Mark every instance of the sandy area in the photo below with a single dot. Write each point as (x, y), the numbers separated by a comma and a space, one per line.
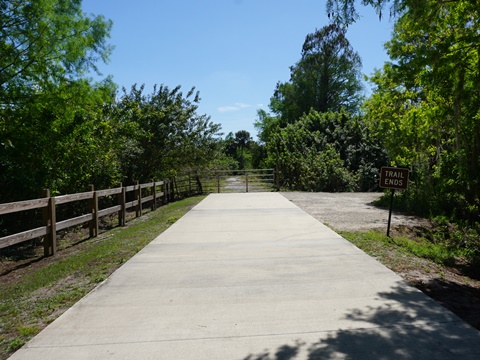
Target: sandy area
(348, 211)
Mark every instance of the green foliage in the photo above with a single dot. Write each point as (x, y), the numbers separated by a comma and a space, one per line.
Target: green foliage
(327, 77)
(162, 133)
(439, 248)
(60, 131)
(238, 150)
(258, 154)
(327, 152)
(426, 106)
(345, 11)
(58, 140)
(313, 139)
(44, 42)
(50, 117)
(15, 344)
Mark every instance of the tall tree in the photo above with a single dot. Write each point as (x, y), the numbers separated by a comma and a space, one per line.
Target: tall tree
(326, 78)
(242, 141)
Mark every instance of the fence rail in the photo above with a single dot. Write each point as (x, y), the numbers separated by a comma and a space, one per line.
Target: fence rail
(152, 192)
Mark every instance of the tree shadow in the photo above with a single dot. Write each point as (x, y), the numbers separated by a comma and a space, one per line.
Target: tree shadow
(408, 325)
(285, 352)
(462, 299)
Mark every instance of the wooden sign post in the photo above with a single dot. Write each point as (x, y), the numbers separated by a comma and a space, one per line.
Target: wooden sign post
(393, 178)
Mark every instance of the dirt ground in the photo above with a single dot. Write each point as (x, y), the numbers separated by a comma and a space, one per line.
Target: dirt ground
(457, 288)
(348, 211)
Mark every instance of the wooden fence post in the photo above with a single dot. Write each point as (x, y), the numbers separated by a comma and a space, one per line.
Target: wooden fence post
(277, 177)
(172, 189)
(175, 188)
(246, 181)
(121, 201)
(138, 196)
(94, 210)
(50, 220)
(218, 182)
(199, 184)
(165, 192)
(154, 194)
(189, 185)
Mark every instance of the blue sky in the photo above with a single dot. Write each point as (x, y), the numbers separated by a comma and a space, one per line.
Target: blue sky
(233, 51)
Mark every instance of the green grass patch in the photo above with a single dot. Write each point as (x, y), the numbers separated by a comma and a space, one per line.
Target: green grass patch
(378, 244)
(38, 297)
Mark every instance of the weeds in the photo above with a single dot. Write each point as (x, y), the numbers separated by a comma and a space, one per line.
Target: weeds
(375, 244)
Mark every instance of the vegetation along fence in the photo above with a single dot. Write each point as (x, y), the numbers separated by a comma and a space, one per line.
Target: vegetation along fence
(155, 193)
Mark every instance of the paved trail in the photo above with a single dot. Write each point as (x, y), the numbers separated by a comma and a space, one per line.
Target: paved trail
(253, 277)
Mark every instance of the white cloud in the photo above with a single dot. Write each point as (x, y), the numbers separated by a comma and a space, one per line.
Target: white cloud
(227, 108)
(236, 107)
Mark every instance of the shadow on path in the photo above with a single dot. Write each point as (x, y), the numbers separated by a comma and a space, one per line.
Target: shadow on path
(409, 326)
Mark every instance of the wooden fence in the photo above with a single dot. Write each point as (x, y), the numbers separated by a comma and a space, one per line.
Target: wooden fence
(152, 192)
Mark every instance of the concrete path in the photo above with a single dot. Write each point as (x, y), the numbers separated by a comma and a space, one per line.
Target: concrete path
(251, 276)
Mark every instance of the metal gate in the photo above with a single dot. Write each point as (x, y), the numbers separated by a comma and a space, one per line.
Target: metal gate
(230, 181)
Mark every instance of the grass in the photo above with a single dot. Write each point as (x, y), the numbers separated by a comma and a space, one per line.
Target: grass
(376, 244)
(41, 294)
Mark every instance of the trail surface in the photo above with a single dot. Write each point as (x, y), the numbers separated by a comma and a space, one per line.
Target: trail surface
(348, 211)
(253, 277)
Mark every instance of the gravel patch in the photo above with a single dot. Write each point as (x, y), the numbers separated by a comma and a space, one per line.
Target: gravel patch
(348, 211)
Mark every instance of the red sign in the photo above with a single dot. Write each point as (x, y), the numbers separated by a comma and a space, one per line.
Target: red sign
(394, 178)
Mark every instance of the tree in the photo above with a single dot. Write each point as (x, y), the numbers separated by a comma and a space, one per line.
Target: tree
(242, 141)
(327, 77)
(266, 124)
(166, 132)
(52, 132)
(427, 103)
(236, 149)
(45, 42)
(345, 11)
(327, 152)
(59, 140)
